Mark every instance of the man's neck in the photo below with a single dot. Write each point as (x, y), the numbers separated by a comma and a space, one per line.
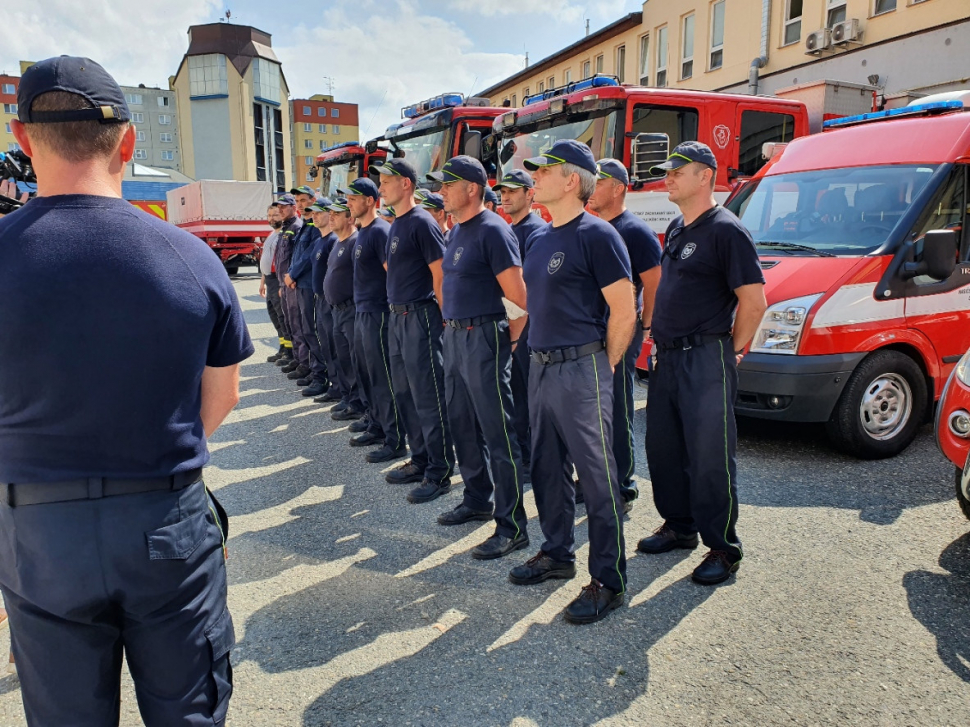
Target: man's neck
(692, 209)
(564, 211)
(91, 178)
(345, 233)
(368, 219)
(404, 206)
(612, 212)
(519, 216)
(468, 212)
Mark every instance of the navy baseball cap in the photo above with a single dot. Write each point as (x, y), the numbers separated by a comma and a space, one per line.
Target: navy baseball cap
(397, 168)
(361, 187)
(613, 169)
(286, 199)
(433, 201)
(388, 211)
(339, 205)
(564, 151)
(514, 179)
(320, 204)
(304, 190)
(490, 196)
(460, 168)
(80, 76)
(684, 154)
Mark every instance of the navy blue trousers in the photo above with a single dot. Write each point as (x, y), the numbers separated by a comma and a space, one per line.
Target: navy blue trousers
(623, 448)
(520, 395)
(571, 405)
(291, 308)
(478, 364)
(370, 332)
(692, 443)
(323, 328)
(143, 576)
(343, 341)
(315, 355)
(417, 372)
(274, 306)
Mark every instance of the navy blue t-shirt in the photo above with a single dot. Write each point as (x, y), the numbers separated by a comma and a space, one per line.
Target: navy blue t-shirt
(370, 278)
(703, 263)
(413, 243)
(643, 245)
(478, 250)
(301, 266)
(338, 285)
(319, 256)
(566, 269)
(526, 227)
(85, 277)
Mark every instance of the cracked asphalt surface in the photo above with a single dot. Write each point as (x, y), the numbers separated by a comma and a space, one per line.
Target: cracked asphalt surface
(353, 607)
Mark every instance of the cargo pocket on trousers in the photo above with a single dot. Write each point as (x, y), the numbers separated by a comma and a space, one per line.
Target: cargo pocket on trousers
(221, 637)
(179, 540)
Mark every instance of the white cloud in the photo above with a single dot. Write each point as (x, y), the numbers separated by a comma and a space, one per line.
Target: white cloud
(558, 12)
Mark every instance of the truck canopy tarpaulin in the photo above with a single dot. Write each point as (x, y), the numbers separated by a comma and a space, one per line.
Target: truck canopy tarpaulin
(210, 199)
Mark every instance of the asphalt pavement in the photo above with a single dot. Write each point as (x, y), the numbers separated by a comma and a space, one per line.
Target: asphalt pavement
(354, 607)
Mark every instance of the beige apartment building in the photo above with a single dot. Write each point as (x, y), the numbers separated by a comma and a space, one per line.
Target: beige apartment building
(319, 123)
(903, 48)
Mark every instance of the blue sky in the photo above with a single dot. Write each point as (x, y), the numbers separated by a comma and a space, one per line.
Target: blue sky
(381, 55)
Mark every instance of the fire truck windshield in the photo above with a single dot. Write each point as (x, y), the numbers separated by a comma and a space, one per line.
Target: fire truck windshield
(597, 131)
(849, 211)
(336, 176)
(426, 152)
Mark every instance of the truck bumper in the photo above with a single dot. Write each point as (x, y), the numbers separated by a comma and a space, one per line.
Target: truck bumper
(793, 388)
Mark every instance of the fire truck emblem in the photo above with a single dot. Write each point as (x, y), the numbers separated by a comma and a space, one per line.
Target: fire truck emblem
(457, 257)
(688, 250)
(722, 135)
(555, 262)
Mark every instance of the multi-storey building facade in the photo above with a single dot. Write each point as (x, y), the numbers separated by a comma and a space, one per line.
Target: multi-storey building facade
(155, 117)
(319, 123)
(8, 110)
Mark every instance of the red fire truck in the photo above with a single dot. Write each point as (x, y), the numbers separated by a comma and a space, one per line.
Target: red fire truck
(953, 428)
(342, 164)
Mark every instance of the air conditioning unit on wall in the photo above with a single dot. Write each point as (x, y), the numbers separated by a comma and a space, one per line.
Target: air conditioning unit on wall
(818, 41)
(846, 31)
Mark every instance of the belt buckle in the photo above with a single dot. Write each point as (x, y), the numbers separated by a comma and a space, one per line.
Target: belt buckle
(545, 357)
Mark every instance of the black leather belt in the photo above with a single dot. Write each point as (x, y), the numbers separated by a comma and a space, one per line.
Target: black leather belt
(472, 322)
(559, 355)
(20, 494)
(692, 341)
(409, 307)
(343, 306)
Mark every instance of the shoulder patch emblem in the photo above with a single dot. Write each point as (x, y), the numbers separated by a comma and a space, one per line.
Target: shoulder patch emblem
(688, 250)
(555, 262)
(457, 257)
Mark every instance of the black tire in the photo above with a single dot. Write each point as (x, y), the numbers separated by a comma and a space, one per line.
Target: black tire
(232, 269)
(963, 498)
(870, 420)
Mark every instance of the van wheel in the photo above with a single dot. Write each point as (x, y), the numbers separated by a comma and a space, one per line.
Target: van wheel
(232, 269)
(963, 488)
(881, 408)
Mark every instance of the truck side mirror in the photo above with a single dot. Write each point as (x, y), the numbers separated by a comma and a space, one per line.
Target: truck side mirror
(648, 150)
(371, 146)
(472, 145)
(938, 258)
(313, 172)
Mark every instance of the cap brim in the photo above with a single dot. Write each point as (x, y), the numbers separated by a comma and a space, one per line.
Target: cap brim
(510, 185)
(670, 164)
(382, 169)
(540, 161)
(435, 177)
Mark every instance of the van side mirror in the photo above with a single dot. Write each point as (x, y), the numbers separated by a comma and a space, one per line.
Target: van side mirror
(472, 144)
(313, 172)
(371, 146)
(938, 258)
(648, 150)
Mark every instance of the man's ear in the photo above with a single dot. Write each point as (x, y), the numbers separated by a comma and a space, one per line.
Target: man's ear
(20, 134)
(127, 146)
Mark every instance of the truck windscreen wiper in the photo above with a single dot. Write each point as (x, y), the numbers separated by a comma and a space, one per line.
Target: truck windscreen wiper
(792, 246)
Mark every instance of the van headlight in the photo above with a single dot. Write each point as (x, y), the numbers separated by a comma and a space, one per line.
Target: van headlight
(781, 327)
(963, 369)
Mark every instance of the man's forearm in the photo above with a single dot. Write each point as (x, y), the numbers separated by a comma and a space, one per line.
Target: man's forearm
(619, 334)
(746, 322)
(516, 326)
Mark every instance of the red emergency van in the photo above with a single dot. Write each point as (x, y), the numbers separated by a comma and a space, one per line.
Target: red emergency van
(862, 233)
(343, 163)
(953, 428)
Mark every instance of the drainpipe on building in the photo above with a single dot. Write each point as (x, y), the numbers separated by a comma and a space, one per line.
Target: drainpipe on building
(762, 60)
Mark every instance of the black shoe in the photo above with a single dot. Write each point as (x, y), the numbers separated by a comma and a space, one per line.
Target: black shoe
(664, 539)
(428, 491)
(592, 604)
(541, 568)
(346, 415)
(314, 389)
(716, 567)
(627, 506)
(404, 474)
(580, 497)
(498, 545)
(304, 381)
(361, 425)
(300, 372)
(331, 395)
(276, 356)
(463, 514)
(366, 439)
(385, 454)
(286, 359)
(290, 366)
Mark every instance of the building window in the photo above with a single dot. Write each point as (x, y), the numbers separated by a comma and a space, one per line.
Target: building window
(10, 108)
(308, 177)
(163, 101)
(322, 128)
(141, 154)
(793, 21)
(552, 82)
(323, 145)
(14, 146)
(335, 113)
(308, 143)
(884, 6)
(717, 35)
(336, 129)
(321, 111)
(134, 99)
(137, 118)
(514, 101)
(307, 111)
(540, 87)
(207, 75)
(9, 89)
(567, 77)
(266, 80)
(309, 160)
(645, 60)
(662, 57)
(835, 13)
(599, 63)
(165, 138)
(687, 56)
(168, 156)
(525, 93)
(586, 69)
(139, 136)
(621, 63)
(8, 128)
(308, 127)
(164, 119)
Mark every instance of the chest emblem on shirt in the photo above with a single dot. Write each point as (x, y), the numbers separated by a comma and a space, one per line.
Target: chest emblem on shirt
(688, 250)
(319, 255)
(555, 262)
(340, 251)
(357, 251)
(394, 245)
(457, 257)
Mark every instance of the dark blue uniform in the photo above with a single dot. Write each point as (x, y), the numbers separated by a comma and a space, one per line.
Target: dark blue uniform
(322, 318)
(414, 242)
(338, 288)
(301, 271)
(478, 361)
(291, 306)
(110, 540)
(691, 435)
(644, 248)
(571, 389)
(520, 356)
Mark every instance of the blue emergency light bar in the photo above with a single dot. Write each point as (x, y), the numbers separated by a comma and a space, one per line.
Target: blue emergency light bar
(936, 107)
(594, 82)
(344, 144)
(445, 100)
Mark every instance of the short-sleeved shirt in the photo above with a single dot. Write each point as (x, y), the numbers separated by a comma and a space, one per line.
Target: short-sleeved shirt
(370, 278)
(703, 264)
(85, 277)
(284, 246)
(319, 256)
(413, 243)
(478, 250)
(643, 245)
(301, 266)
(338, 285)
(525, 227)
(566, 269)
(266, 262)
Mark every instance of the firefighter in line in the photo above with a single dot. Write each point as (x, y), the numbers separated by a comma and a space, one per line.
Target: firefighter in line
(291, 224)
(269, 284)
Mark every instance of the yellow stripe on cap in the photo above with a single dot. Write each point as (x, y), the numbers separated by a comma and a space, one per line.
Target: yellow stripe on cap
(108, 112)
